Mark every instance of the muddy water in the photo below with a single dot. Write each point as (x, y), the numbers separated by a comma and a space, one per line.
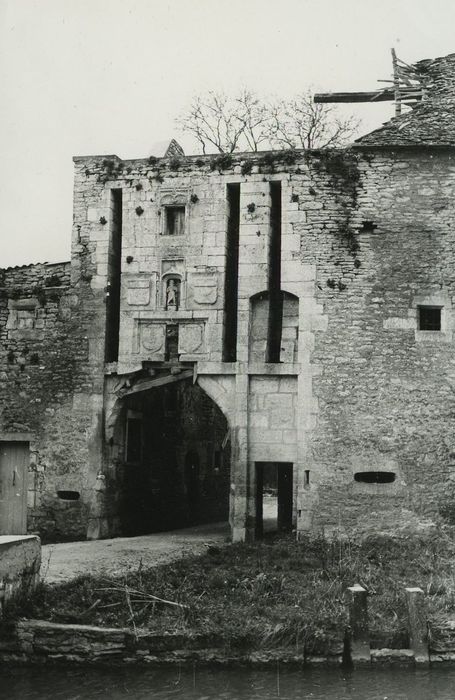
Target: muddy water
(197, 683)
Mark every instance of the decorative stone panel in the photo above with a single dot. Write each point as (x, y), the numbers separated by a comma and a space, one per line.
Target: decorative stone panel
(152, 339)
(191, 338)
(139, 291)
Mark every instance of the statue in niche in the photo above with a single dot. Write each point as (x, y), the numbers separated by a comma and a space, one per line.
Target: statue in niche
(172, 294)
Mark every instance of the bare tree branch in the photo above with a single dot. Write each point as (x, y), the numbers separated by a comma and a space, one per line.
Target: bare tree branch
(248, 122)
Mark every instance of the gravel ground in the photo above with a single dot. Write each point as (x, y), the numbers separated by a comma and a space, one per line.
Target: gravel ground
(65, 561)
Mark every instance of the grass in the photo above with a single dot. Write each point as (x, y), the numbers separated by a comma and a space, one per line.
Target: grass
(278, 593)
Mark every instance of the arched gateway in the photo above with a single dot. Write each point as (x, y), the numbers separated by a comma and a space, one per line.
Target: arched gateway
(167, 455)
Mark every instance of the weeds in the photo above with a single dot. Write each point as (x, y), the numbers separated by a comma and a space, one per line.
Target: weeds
(278, 593)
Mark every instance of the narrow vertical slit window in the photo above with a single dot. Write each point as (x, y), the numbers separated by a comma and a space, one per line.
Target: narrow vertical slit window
(114, 270)
(275, 315)
(231, 280)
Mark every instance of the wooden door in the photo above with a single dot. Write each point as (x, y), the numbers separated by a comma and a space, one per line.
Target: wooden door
(14, 460)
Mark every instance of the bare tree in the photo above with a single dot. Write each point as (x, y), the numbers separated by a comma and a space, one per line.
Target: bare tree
(300, 123)
(248, 122)
(212, 120)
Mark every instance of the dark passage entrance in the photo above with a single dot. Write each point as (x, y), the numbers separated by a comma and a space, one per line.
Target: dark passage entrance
(274, 490)
(175, 470)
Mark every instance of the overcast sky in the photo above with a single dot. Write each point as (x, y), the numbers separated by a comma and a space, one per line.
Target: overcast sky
(85, 77)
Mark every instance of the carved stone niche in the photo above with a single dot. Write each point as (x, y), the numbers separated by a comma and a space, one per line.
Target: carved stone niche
(203, 288)
(152, 340)
(191, 338)
(138, 291)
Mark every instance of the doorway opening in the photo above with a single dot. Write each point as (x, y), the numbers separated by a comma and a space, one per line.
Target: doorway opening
(174, 467)
(274, 497)
(14, 461)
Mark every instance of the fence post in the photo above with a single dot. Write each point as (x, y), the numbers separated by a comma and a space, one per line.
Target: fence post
(358, 623)
(417, 624)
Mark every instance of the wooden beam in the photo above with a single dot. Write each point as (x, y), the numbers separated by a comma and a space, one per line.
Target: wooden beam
(373, 96)
(146, 384)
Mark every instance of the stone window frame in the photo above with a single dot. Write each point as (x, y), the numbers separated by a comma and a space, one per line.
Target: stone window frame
(365, 462)
(439, 299)
(434, 300)
(15, 306)
(171, 200)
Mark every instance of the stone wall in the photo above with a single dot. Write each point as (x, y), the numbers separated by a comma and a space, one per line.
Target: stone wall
(46, 386)
(20, 561)
(385, 392)
(366, 239)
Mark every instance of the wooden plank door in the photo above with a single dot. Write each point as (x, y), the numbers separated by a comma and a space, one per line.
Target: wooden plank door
(14, 460)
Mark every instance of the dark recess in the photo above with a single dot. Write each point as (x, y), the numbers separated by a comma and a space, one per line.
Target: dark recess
(231, 283)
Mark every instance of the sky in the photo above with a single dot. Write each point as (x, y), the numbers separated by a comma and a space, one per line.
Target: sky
(80, 77)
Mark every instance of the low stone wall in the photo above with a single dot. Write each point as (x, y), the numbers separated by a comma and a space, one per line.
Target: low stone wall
(40, 641)
(20, 561)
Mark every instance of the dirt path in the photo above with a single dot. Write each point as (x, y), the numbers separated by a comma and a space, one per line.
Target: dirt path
(63, 562)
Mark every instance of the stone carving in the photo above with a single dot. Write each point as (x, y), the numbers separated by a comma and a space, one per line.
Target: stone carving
(153, 337)
(174, 266)
(138, 293)
(205, 289)
(191, 338)
(172, 293)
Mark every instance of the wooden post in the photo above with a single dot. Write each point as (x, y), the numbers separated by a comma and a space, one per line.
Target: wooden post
(358, 623)
(396, 84)
(417, 624)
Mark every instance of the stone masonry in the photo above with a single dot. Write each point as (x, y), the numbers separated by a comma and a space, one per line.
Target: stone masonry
(357, 246)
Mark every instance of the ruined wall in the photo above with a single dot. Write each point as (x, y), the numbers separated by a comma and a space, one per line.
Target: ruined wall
(43, 368)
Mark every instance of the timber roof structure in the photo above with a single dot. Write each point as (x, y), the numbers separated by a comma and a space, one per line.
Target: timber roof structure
(431, 121)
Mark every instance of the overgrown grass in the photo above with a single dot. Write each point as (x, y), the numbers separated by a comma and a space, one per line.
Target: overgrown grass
(277, 593)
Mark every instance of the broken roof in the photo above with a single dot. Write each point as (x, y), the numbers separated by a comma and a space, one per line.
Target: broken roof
(432, 121)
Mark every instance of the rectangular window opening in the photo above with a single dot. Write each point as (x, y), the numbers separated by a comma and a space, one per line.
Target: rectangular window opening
(231, 279)
(175, 221)
(429, 318)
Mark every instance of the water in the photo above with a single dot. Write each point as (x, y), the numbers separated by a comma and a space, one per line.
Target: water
(199, 683)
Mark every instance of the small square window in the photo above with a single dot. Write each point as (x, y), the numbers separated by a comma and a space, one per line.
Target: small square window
(429, 318)
(175, 221)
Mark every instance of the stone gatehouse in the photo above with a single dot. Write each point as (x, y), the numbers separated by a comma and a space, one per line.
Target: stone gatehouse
(231, 321)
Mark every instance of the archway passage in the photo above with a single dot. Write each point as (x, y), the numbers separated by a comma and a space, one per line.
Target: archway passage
(175, 470)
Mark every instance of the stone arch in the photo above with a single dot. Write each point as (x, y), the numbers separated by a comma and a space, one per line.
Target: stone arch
(221, 390)
(179, 418)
